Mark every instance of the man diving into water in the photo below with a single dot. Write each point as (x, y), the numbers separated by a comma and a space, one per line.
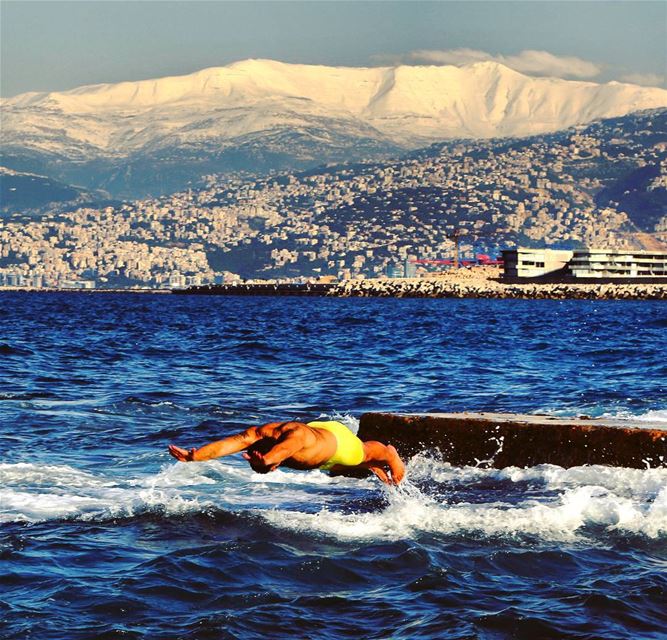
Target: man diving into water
(329, 445)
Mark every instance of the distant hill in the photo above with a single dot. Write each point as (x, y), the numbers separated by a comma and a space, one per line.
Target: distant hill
(25, 192)
(157, 136)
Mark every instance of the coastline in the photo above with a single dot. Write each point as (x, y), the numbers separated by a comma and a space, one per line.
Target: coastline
(88, 291)
(475, 282)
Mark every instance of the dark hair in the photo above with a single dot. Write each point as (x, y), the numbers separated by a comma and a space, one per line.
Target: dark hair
(263, 446)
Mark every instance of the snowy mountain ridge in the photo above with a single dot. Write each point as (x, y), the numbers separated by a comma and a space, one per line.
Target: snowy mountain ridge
(253, 108)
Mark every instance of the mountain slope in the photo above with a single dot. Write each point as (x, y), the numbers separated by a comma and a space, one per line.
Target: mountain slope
(119, 136)
(22, 192)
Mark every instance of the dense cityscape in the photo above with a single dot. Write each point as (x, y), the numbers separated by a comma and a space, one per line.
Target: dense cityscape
(361, 220)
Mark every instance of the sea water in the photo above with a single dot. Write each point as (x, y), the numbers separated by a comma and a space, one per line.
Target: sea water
(103, 535)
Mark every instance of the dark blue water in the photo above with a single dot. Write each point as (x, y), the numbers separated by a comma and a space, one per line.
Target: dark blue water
(103, 535)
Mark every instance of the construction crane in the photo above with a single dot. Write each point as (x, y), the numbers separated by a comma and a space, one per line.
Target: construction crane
(456, 237)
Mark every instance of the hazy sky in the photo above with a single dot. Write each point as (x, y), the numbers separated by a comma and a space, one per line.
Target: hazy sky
(55, 45)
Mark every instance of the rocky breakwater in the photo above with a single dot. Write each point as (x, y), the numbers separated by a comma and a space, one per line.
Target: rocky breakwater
(503, 440)
(484, 282)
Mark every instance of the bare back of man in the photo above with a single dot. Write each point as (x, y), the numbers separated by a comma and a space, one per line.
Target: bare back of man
(299, 446)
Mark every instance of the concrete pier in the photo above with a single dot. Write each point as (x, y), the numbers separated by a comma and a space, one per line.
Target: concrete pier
(503, 439)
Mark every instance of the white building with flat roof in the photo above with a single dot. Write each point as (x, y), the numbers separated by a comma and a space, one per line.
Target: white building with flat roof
(605, 264)
(523, 263)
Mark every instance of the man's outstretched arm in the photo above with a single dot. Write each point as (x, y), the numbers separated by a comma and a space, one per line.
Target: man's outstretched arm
(224, 447)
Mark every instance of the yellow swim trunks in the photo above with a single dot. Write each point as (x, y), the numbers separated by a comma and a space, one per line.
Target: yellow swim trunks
(350, 450)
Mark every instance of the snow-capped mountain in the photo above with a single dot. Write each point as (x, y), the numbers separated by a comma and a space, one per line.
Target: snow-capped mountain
(153, 135)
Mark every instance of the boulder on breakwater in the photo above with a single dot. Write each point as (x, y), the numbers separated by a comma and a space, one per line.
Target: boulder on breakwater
(502, 440)
(482, 288)
(474, 282)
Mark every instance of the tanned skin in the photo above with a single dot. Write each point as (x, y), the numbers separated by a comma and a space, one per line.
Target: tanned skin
(297, 446)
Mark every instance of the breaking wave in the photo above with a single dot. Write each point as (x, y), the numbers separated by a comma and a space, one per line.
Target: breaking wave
(546, 502)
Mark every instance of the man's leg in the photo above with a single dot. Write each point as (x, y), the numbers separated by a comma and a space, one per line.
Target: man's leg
(379, 458)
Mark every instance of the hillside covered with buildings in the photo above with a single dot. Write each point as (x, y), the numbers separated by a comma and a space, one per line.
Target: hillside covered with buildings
(604, 184)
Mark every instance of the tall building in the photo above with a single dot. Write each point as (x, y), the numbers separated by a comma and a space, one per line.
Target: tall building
(409, 269)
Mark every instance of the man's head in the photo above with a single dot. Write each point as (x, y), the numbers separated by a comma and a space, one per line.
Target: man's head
(255, 454)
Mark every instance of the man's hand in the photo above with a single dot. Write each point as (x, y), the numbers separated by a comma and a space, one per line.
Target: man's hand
(183, 455)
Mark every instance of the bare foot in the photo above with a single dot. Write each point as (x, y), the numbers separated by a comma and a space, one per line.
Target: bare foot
(396, 465)
(384, 461)
(381, 473)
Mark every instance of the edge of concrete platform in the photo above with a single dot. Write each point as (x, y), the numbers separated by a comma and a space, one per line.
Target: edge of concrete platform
(504, 439)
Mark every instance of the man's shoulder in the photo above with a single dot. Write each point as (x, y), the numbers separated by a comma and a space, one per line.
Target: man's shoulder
(273, 429)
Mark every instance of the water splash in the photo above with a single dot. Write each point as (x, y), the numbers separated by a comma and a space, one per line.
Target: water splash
(546, 502)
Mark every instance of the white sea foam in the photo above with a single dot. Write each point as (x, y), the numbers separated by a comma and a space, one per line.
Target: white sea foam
(33, 492)
(546, 501)
(655, 416)
(621, 501)
(347, 419)
(648, 419)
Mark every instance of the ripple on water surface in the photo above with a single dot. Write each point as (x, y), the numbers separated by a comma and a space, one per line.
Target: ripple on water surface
(102, 535)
